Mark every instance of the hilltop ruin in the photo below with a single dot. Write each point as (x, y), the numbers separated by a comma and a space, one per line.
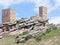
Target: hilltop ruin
(13, 26)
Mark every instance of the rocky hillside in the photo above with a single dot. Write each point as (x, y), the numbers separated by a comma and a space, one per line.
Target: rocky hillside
(52, 38)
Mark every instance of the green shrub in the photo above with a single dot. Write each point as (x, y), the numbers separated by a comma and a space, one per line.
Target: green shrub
(28, 37)
(43, 33)
(17, 36)
(26, 32)
(38, 38)
(54, 28)
(48, 30)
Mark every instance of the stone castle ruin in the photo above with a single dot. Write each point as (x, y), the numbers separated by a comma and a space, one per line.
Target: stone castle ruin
(13, 26)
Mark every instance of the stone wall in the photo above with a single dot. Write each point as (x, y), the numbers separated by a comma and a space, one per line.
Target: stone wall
(8, 15)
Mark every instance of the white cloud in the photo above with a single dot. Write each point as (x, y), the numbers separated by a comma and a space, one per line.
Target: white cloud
(38, 3)
(55, 20)
(57, 2)
(46, 3)
(55, 6)
(7, 3)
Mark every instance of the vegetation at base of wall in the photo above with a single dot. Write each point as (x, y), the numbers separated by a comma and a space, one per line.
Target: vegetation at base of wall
(37, 38)
(51, 34)
(28, 37)
(25, 32)
(11, 39)
(48, 30)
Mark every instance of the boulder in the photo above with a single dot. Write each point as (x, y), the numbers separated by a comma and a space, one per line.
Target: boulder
(19, 40)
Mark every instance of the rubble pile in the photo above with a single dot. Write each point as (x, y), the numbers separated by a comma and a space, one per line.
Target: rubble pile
(31, 24)
(34, 27)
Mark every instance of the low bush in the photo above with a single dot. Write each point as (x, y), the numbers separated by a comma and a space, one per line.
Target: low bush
(43, 33)
(17, 36)
(26, 32)
(38, 38)
(48, 30)
(28, 37)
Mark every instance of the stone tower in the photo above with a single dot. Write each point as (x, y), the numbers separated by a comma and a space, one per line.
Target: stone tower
(8, 15)
(43, 13)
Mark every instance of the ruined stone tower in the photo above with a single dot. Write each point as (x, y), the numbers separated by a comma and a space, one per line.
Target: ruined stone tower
(8, 15)
(43, 13)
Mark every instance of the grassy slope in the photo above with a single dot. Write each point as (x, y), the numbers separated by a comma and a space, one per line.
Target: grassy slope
(51, 34)
(10, 40)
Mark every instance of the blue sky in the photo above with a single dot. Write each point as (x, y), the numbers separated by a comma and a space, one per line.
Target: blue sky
(28, 8)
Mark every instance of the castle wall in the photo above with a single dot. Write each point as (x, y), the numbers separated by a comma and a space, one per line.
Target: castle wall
(8, 15)
(43, 13)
